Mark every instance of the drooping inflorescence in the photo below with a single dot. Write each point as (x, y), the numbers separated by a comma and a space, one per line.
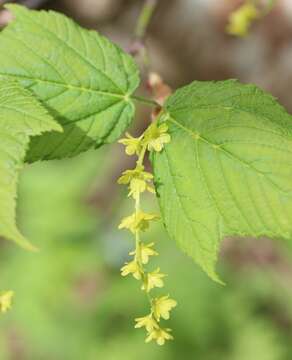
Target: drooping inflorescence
(139, 181)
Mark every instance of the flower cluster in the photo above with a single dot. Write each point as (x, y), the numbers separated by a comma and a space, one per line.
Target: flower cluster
(138, 181)
(241, 19)
(6, 298)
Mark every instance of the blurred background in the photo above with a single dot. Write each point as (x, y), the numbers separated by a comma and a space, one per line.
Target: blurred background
(71, 303)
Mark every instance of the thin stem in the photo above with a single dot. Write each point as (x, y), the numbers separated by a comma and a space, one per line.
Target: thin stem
(137, 234)
(145, 101)
(141, 156)
(138, 256)
(144, 18)
(138, 47)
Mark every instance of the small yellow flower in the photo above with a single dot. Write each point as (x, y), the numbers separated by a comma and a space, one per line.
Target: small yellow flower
(241, 19)
(133, 145)
(162, 306)
(147, 321)
(138, 172)
(137, 221)
(137, 186)
(145, 252)
(138, 180)
(160, 335)
(156, 136)
(132, 268)
(152, 280)
(6, 300)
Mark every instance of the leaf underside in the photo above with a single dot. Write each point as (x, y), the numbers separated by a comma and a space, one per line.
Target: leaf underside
(21, 116)
(83, 80)
(227, 170)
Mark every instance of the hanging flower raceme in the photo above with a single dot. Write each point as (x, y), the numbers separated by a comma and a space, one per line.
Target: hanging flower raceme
(139, 181)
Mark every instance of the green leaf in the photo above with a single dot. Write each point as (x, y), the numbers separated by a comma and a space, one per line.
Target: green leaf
(227, 170)
(83, 79)
(21, 116)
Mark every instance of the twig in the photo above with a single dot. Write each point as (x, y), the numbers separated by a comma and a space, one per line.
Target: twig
(137, 47)
(145, 101)
(145, 18)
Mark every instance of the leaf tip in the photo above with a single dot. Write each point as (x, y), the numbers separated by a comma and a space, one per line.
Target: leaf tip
(23, 242)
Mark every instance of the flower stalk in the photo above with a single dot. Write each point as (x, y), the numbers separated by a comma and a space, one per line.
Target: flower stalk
(138, 180)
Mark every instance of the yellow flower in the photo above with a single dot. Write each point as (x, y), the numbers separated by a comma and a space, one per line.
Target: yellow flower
(137, 186)
(152, 280)
(160, 335)
(162, 306)
(241, 19)
(6, 300)
(132, 268)
(147, 321)
(137, 221)
(133, 145)
(156, 136)
(138, 179)
(145, 252)
(138, 172)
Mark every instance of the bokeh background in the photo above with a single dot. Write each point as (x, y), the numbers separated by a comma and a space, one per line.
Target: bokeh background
(71, 303)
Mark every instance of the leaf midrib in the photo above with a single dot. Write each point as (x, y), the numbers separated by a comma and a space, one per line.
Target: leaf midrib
(68, 86)
(64, 43)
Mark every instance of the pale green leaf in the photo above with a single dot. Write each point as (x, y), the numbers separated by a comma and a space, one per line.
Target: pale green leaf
(83, 79)
(21, 116)
(227, 170)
